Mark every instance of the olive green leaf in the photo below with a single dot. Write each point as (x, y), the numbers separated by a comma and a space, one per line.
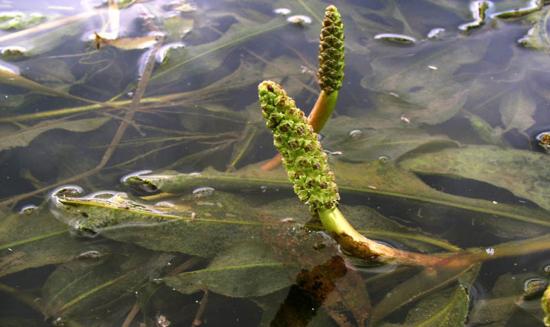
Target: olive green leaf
(524, 173)
(248, 269)
(376, 178)
(36, 239)
(90, 289)
(447, 308)
(424, 284)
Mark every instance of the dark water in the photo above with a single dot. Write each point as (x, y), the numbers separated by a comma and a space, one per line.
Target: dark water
(438, 139)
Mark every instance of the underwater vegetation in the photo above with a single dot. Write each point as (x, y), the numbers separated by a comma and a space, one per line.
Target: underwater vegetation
(157, 169)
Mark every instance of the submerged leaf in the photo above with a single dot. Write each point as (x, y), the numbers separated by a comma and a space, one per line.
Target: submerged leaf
(524, 173)
(448, 308)
(358, 143)
(11, 139)
(37, 239)
(87, 290)
(248, 269)
(422, 87)
(422, 285)
(517, 110)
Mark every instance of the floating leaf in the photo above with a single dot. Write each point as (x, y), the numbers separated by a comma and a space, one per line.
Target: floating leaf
(524, 173)
(201, 227)
(366, 178)
(10, 138)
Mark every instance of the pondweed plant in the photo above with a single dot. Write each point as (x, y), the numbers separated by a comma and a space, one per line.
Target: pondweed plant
(330, 74)
(313, 181)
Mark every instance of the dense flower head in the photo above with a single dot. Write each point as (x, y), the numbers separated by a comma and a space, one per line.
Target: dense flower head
(331, 51)
(303, 158)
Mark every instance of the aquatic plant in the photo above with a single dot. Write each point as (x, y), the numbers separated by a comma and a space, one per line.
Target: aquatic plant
(307, 168)
(330, 74)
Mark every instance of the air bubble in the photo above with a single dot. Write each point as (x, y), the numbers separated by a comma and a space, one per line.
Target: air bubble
(28, 210)
(384, 159)
(282, 11)
(355, 134)
(534, 287)
(299, 20)
(92, 254)
(162, 53)
(396, 38)
(203, 192)
(436, 33)
(66, 190)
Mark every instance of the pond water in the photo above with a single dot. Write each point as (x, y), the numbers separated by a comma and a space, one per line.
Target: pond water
(437, 143)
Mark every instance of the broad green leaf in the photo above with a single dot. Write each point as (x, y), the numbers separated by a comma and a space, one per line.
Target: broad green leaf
(523, 173)
(204, 227)
(248, 269)
(196, 226)
(448, 308)
(90, 289)
(359, 143)
(37, 239)
(13, 138)
(377, 178)
(517, 110)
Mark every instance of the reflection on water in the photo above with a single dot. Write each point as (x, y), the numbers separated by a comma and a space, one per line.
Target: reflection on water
(438, 144)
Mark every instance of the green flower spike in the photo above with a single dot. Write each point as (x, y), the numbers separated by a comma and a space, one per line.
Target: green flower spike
(307, 168)
(331, 51)
(545, 302)
(303, 158)
(330, 74)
